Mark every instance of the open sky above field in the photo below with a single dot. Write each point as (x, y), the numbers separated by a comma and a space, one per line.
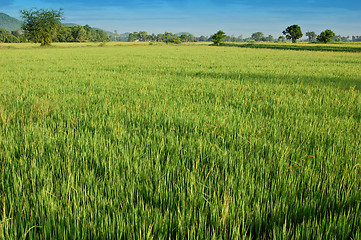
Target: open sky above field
(204, 17)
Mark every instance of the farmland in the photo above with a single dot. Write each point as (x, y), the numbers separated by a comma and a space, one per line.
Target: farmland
(194, 141)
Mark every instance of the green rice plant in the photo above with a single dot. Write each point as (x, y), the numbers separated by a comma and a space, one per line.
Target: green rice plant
(166, 141)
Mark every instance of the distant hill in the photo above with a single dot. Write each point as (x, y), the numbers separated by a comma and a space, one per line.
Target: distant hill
(69, 24)
(9, 23)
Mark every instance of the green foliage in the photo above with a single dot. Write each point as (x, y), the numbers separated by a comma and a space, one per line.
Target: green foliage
(218, 37)
(102, 35)
(181, 142)
(293, 32)
(167, 37)
(14, 36)
(6, 36)
(79, 34)
(40, 25)
(64, 34)
(326, 36)
(183, 37)
(311, 36)
(281, 39)
(173, 40)
(257, 36)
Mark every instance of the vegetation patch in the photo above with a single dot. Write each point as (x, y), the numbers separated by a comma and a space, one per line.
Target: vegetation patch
(336, 47)
(179, 142)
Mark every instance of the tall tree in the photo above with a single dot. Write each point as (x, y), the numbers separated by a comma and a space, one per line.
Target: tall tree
(326, 36)
(293, 32)
(40, 25)
(218, 37)
(143, 36)
(257, 36)
(115, 35)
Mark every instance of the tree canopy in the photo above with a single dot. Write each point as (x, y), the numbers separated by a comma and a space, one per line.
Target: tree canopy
(40, 25)
(293, 32)
(258, 36)
(326, 36)
(218, 37)
(7, 37)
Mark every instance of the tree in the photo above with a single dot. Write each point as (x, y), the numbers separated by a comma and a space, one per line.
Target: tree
(281, 38)
(171, 38)
(326, 36)
(4, 35)
(270, 38)
(7, 37)
(101, 36)
(218, 37)
(257, 36)
(311, 36)
(191, 38)
(160, 37)
(183, 37)
(203, 38)
(79, 34)
(40, 25)
(64, 34)
(143, 36)
(91, 34)
(115, 35)
(293, 32)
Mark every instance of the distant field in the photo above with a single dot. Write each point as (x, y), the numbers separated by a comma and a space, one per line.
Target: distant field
(191, 141)
(91, 44)
(301, 46)
(333, 47)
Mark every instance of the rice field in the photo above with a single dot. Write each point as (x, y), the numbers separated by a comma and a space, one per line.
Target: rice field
(179, 142)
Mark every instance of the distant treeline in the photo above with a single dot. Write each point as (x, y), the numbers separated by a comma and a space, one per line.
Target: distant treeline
(75, 33)
(78, 33)
(167, 37)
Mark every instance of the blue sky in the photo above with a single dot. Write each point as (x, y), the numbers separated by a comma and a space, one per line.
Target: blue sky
(204, 17)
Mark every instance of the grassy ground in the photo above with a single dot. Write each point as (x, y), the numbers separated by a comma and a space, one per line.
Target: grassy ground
(302, 46)
(179, 142)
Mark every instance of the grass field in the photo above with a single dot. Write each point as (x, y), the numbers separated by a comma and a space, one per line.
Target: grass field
(179, 142)
(302, 46)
